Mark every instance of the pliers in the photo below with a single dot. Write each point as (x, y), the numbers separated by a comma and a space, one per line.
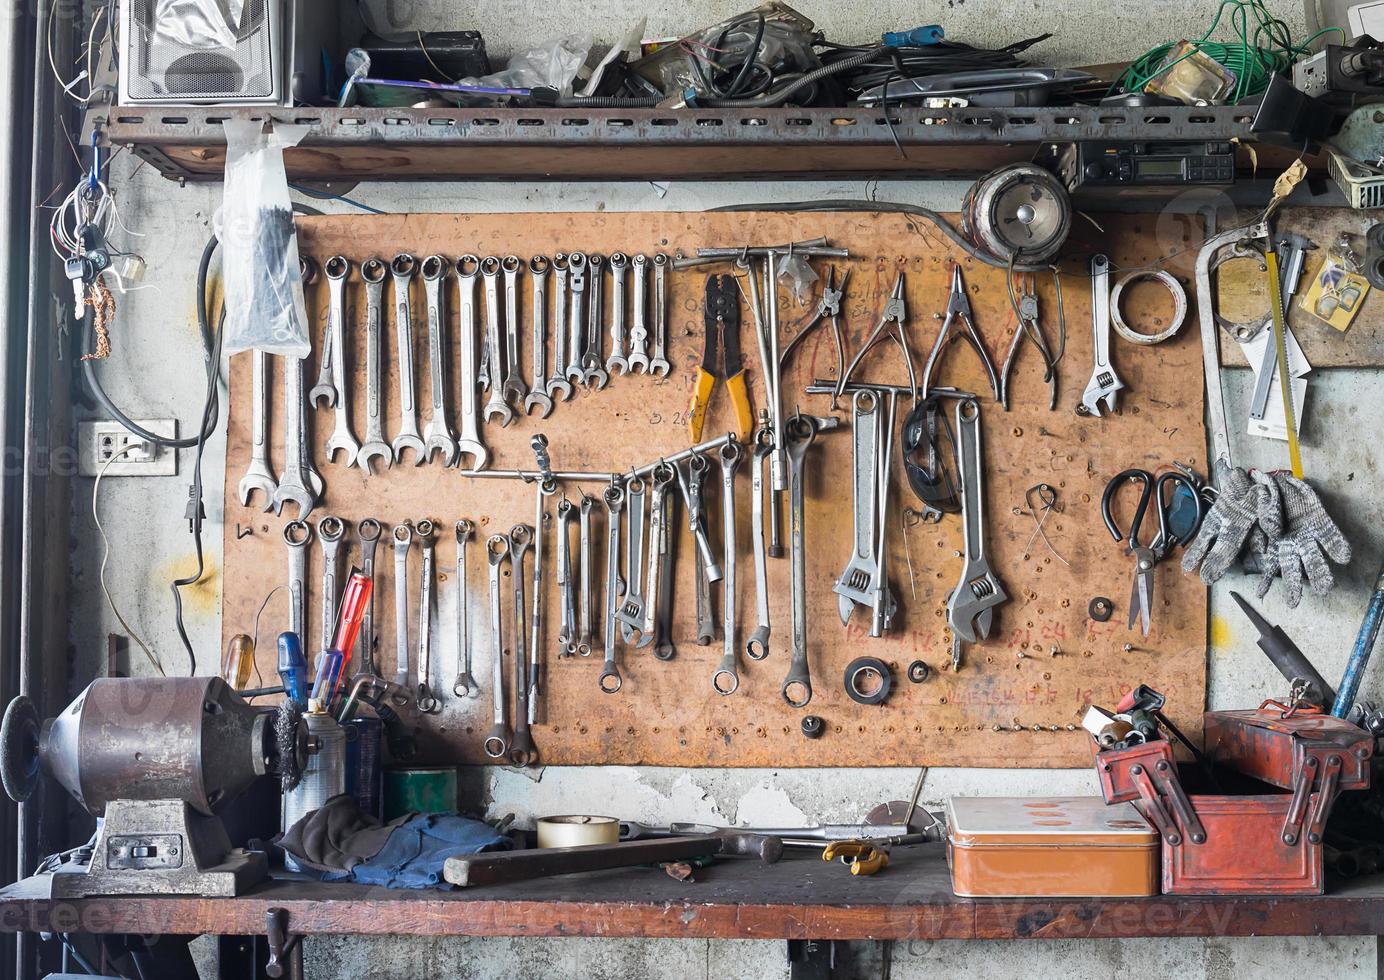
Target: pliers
(1026, 309)
(959, 307)
(894, 313)
(829, 308)
(721, 358)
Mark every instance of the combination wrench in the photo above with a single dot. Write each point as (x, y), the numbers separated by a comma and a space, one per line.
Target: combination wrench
(293, 485)
(465, 685)
(330, 531)
(639, 329)
(586, 561)
(857, 581)
(495, 405)
(658, 365)
(497, 742)
(697, 470)
(557, 384)
(757, 646)
(619, 270)
(574, 372)
(1105, 383)
(521, 748)
(324, 392)
(469, 434)
(298, 535)
(403, 539)
(338, 269)
(566, 586)
(258, 475)
(372, 271)
(401, 270)
(426, 532)
(436, 432)
(630, 609)
(513, 385)
(797, 685)
(727, 678)
(541, 520)
(594, 373)
(368, 533)
(538, 395)
(883, 603)
(659, 552)
(971, 606)
(610, 679)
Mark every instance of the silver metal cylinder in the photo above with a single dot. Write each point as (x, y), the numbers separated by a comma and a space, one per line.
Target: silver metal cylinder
(324, 776)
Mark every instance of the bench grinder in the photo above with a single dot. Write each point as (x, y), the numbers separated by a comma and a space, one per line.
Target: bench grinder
(154, 759)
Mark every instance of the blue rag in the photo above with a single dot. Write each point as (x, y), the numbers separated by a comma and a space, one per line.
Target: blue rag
(415, 852)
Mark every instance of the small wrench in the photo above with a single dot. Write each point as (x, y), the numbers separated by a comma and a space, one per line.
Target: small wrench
(436, 432)
(403, 538)
(726, 679)
(373, 272)
(324, 392)
(401, 269)
(619, 269)
(695, 491)
(426, 533)
(610, 679)
(538, 395)
(368, 533)
(521, 748)
(593, 373)
(659, 366)
(576, 318)
(298, 535)
(558, 386)
(465, 685)
(293, 487)
(797, 685)
(566, 586)
(757, 646)
(338, 269)
(639, 331)
(494, 357)
(586, 633)
(330, 531)
(513, 386)
(258, 475)
(497, 742)
(469, 438)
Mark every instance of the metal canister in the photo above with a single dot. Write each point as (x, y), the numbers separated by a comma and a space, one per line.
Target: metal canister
(419, 791)
(363, 774)
(323, 777)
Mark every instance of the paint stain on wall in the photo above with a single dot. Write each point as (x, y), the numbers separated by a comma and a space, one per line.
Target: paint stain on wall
(1222, 637)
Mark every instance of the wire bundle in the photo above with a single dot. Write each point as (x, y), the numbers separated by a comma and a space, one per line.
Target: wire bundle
(920, 61)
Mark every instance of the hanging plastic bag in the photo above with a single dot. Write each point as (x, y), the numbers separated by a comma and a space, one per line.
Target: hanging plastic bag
(259, 245)
(199, 23)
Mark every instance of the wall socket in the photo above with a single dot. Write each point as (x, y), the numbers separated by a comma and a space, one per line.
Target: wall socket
(100, 440)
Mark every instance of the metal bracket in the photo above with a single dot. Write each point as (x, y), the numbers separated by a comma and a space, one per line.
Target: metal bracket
(282, 944)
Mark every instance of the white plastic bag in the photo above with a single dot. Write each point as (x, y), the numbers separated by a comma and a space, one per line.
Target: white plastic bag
(199, 23)
(259, 245)
(554, 64)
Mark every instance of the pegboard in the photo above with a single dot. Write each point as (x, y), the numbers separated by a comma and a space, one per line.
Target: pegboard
(1017, 698)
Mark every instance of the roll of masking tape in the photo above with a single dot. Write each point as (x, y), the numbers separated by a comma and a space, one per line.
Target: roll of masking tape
(577, 830)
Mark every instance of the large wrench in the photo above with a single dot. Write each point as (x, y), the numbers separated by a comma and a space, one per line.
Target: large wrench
(971, 607)
(465, 685)
(541, 520)
(373, 272)
(298, 535)
(883, 603)
(403, 538)
(727, 679)
(401, 269)
(557, 384)
(330, 531)
(513, 385)
(293, 487)
(619, 269)
(659, 551)
(659, 365)
(610, 679)
(427, 537)
(639, 330)
(495, 405)
(797, 685)
(857, 581)
(436, 432)
(1104, 383)
(469, 437)
(521, 748)
(497, 742)
(566, 586)
(593, 373)
(368, 533)
(538, 396)
(576, 318)
(338, 269)
(258, 475)
(586, 629)
(757, 646)
(630, 611)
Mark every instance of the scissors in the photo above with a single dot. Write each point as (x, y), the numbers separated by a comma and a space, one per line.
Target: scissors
(1147, 556)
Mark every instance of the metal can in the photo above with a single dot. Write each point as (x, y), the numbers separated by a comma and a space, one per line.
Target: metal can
(419, 791)
(363, 773)
(323, 777)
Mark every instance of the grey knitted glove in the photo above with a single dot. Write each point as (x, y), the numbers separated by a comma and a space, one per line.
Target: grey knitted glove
(1300, 545)
(1226, 525)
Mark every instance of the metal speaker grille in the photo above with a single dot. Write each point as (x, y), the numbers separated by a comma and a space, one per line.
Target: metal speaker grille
(165, 68)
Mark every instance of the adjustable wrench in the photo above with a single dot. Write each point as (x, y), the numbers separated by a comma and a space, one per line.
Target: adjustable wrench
(465, 685)
(469, 436)
(971, 607)
(639, 330)
(726, 679)
(586, 633)
(541, 520)
(857, 581)
(538, 395)
(576, 318)
(610, 679)
(427, 537)
(1104, 383)
(513, 385)
(330, 531)
(497, 742)
(883, 604)
(403, 538)
(521, 749)
(342, 440)
(593, 374)
(373, 272)
(630, 611)
(566, 587)
(298, 535)
(757, 646)
(368, 533)
(401, 269)
(557, 384)
(293, 485)
(619, 268)
(797, 685)
(494, 357)
(659, 528)
(258, 475)
(659, 366)
(436, 432)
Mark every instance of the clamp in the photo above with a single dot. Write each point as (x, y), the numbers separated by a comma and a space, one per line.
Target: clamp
(864, 857)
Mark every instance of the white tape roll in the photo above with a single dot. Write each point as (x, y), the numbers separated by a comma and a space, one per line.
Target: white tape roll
(576, 830)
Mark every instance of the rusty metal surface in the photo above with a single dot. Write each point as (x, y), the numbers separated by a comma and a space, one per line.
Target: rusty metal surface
(1244, 853)
(1273, 748)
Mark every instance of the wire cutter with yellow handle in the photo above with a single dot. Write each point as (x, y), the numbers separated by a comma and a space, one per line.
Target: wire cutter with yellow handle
(721, 359)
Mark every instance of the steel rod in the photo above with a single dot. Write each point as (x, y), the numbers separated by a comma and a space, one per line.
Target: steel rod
(578, 476)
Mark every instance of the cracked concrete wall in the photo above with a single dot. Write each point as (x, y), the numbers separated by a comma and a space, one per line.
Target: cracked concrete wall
(156, 372)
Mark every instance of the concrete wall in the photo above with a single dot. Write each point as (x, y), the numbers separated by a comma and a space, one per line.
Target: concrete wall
(156, 371)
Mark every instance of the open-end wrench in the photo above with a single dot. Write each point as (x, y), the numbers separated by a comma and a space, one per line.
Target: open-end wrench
(757, 646)
(586, 563)
(630, 610)
(971, 607)
(557, 384)
(323, 393)
(663, 478)
(401, 270)
(368, 533)
(258, 475)
(311, 478)
(576, 319)
(437, 433)
(465, 685)
(614, 496)
(727, 677)
(373, 272)
(521, 748)
(1105, 383)
(594, 373)
(293, 487)
(298, 535)
(403, 538)
(538, 313)
(566, 585)
(619, 269)
(495, 405)
(857, 581)
(659, 366)
(426, 532)
(639, 328)
(338, 269)
(330, 531)
(513, 386)
(542, 520)
(694, 490)
(469, 435)
(497, 742)
(797, 685)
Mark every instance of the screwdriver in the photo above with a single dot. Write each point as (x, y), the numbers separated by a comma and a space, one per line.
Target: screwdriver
(239, 661)
(293, 669)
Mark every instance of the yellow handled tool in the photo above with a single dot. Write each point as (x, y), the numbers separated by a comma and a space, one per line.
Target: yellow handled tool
(865, 857)
(721, 359)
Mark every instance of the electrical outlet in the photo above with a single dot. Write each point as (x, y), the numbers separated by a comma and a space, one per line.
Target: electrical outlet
(98, 442)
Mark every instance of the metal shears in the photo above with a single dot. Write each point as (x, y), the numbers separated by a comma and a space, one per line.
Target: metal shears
(1147, 556)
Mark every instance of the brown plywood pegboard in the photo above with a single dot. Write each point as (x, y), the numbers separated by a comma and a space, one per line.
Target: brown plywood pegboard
(1013, 702)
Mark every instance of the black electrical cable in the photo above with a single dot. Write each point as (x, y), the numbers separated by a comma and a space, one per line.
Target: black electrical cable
(910, 61)
(778, 97)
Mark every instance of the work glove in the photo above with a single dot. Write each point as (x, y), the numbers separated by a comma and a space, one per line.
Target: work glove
(1226, 525)
(1301, 539)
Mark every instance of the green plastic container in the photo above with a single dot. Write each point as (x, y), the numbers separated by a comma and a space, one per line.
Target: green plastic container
(419, 791)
